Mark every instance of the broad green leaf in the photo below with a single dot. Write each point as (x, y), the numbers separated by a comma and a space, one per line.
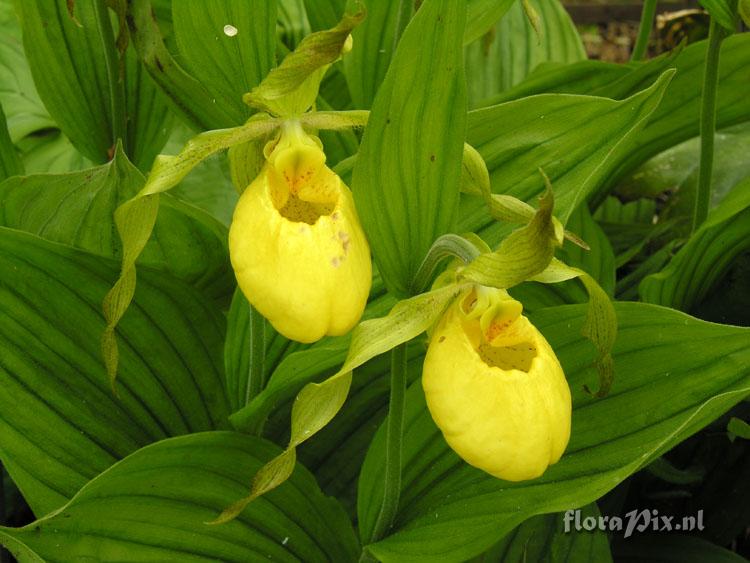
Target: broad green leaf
(50, 151)
(743, 7)
(23, 108)
(291, 88)
(318, 403)
(664, 392)
(723, 11)
(60, 423)
(148, 508)
(10, 164)
(75, 68)
(406, 178)
(706, 256)
(148, 115)
(673, 548)
(576, 140)
(190, 99)
(676, 169)
(228, 46)
(511, 50)
(481, 16)
(545, 539)
(77, 209)
(324, 14)
(293, 26)
(374, 46)
(675, 119)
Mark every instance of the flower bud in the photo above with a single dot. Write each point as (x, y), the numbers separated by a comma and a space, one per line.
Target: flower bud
(297, 248)
(495, 388)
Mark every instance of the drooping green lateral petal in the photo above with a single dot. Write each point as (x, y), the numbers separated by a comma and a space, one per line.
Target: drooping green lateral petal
(153, 506)
(664, 391)
(317, 403)
(406, 178)
(135, 219)
(60, 423)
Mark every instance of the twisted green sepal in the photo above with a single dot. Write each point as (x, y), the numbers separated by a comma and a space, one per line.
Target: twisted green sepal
(600, 326)
(290, 89)
(317, 403)
(136, 217)
(526, 252)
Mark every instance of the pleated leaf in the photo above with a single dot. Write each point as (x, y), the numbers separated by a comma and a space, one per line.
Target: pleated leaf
(153, 506)
(706, 257)
(406, 179)
(60, 423)
(675, 374)
(10, 163)
(512, 49)
(77, 209)
(75, 67)
(228, 45)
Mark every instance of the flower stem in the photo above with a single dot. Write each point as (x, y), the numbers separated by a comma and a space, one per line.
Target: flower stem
(257, 355)
(394, 435)
(708, 123)
(644, 30)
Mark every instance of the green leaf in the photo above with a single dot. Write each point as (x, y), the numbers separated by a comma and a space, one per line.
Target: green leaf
(23, 108)
(577, 140)
(512, 49)
(545, 539)
(723, 11)
(481, 16)
(148, 508)
(228, 46)
(190, 99)
(60, 423)
(406, 178)
(702, 261)
(664, 392)
(374, 46)
(10, 164)
(75, 68)
(77, 209)
(743, 7)
(668, 548)
(291, 88)
(324, 14)
(148, 115)
(318, 403)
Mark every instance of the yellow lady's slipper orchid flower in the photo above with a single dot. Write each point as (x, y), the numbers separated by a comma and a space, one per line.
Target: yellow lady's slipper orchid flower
(296, 244)
(495, 388)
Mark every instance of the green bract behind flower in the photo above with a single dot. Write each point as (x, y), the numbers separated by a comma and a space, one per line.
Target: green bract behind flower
(495, 387)
(296, 244)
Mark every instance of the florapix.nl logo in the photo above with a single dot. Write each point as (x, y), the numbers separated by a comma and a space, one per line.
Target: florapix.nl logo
(646, 520)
